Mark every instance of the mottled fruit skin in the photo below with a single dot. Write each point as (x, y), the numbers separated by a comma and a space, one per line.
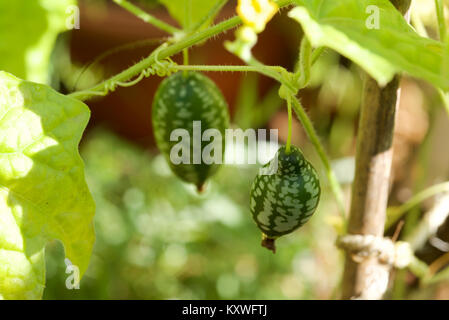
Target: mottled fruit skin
(283, 201)
(181, 99)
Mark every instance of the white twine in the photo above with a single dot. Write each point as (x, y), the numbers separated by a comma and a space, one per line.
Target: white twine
(361, 247)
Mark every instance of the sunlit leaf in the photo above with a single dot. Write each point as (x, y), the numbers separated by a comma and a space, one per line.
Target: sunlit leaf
(43, 194)
(391, 48)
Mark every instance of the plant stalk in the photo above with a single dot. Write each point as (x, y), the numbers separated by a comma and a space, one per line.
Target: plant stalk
(368, 279)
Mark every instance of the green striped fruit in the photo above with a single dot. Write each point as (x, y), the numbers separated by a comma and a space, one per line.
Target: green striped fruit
(184, 107)
(284, 195)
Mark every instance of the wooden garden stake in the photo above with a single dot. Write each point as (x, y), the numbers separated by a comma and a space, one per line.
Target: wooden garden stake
(367, 278)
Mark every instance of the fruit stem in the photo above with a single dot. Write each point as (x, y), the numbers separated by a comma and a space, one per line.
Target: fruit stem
(270, 71)
(200, 188)
(308, 127)
(268, 243)
(185, 55)
(289, 137)
(302, 76)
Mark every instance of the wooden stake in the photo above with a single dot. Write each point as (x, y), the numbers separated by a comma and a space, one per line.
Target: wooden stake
(368, 279)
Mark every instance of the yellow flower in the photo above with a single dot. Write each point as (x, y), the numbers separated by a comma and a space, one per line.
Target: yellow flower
(245, 40)
(256, 13)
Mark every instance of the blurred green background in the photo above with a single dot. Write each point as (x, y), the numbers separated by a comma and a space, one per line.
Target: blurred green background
(158, 239)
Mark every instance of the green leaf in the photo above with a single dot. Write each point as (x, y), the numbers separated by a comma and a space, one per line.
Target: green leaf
(383, 52)
(28, 31)
(43, 194)
(189, 12)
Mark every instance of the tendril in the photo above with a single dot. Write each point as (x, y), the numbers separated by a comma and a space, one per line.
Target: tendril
(160, 68)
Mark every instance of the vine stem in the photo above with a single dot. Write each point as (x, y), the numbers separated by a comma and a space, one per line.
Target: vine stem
(308, 127)
(147, 17)
(440, 17)
(289, 137)
(163, 53)
(316, 54)
(185, 55)
(305, 63)
(127, 46)
(221, 68)
(415, 200)
(269, 71)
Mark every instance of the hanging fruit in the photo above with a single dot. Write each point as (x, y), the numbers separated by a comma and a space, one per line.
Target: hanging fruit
(284, 195)
(188, 105)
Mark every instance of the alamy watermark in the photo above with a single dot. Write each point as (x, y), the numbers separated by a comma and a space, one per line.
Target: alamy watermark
(373, 20)
(73, 280)
(191, 148)
(73, 19)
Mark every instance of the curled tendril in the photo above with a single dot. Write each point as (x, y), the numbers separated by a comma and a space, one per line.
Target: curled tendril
(160, 68)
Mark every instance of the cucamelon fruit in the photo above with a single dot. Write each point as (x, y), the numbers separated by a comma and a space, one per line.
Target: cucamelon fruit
(284, 195)
(182, 101)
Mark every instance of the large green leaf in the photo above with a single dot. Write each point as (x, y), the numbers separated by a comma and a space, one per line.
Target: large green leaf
(394, 47)
(43, 194)
(189, 12)
(28, 30)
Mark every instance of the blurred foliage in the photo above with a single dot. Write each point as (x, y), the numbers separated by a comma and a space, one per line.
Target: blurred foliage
(250, 111)
(158, 239)
(339, 86)
(25, 47)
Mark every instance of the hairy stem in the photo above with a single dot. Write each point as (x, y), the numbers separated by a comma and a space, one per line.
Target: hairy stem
(127, 46)
(269, 71)
(165, 52)
(305, 63)
(416, 200)
(316, 54)
(185, 56)
(289, 110)
(308, 127)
